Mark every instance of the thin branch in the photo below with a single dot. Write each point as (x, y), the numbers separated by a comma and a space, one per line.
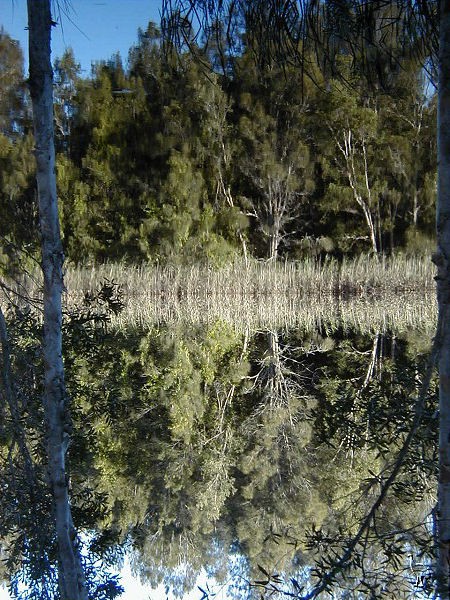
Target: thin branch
(8, 386)
(343, 562)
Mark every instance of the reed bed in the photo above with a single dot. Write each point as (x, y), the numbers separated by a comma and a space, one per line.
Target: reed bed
(358, 277)
(365, 293)
(397, 314)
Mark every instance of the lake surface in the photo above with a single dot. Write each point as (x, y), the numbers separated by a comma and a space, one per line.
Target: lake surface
(244, 455)
(225, 448)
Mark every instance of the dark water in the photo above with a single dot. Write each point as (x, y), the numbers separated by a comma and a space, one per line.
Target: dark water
(254, 455)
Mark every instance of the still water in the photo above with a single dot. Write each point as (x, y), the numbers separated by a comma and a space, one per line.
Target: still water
(214, 457)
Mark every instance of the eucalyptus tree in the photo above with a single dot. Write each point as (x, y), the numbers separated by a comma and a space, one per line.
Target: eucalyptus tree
(407, 165)
(273, 164)
(12, 107)
(67, 74)
(104, 183)
(72, 584)
(354, 131)
(376, 36)
(441, 259)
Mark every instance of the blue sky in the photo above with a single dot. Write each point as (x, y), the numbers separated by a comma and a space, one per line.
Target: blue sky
(95, 29)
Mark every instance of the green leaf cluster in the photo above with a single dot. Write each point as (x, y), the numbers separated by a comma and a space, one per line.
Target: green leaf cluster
(168, 159)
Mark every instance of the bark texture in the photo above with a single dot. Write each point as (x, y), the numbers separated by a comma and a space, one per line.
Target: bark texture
(71, 577)
(442, 260)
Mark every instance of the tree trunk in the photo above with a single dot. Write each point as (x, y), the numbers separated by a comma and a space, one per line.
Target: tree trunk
(273, 244)
(71, 578)
(442, 259)
(347, 149)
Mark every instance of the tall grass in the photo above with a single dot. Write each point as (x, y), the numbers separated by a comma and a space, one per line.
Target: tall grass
(359, 277)
(366, 291)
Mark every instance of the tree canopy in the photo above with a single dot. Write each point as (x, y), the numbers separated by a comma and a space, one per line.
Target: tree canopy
(167, 159)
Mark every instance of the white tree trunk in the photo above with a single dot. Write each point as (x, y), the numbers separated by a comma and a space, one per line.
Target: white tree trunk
(347, 148)
(442, 260)
(71, 578)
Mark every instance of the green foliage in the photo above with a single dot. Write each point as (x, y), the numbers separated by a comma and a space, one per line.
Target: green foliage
(183, 436)
(418, 243)
(13, 111)
(29, 544)
(189, 441)
(169, 162)
(18, 239)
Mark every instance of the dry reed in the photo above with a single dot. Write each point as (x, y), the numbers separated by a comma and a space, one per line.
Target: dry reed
(361, 276)
(365, 293)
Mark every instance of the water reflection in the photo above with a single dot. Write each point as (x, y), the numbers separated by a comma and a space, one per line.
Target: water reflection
(367, 313)
(215, 440)
(249, 452)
